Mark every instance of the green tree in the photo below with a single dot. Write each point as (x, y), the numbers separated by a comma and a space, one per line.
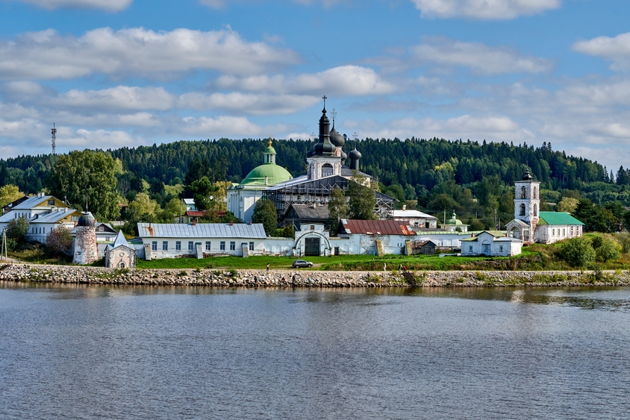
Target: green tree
(143, 208)
(578, 252)
(265, 213)
(87, 179)
(568, 204)
(9, 193)
(202, 190)
(606, 248)
(337, 207)
(16, 232)
(174, 208)
(361, 199)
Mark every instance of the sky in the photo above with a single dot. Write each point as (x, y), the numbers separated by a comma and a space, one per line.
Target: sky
(116, 73)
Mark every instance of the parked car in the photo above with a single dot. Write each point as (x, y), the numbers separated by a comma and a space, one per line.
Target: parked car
(302, 264)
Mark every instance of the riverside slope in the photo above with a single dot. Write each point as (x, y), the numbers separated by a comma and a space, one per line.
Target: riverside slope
(57, 274)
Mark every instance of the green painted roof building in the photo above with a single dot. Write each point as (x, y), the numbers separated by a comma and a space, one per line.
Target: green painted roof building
(268, 173)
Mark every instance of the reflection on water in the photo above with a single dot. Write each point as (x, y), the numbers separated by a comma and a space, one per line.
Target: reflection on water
(142, 352)
(602, 298)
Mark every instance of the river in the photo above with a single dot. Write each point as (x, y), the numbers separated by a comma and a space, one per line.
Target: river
(170, 353)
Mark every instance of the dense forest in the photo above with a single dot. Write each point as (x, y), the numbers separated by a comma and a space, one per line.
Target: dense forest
(474, 179)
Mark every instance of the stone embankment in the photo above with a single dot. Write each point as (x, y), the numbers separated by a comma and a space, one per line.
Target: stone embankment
(297, 278)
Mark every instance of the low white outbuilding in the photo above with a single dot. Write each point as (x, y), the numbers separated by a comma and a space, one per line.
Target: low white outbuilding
(172, 240)
(490, 245)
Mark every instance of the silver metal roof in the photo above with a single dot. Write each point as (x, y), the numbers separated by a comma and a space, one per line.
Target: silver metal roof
(32, 202)
(52, 217)
(202, 230)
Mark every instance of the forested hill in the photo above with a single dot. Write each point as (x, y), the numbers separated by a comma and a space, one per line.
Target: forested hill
(409, 170)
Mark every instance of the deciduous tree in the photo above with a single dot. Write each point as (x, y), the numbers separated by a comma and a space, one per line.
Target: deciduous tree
(87, 179)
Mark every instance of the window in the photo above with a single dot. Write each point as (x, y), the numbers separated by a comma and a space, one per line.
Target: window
(164, 245)
(501, 248)
(51, 202)
(208, 245)
(522, 212)
(178, 245)
(470, 247)
(535, 210)
(535, 195)
(251, 246)
(312, 227)
(222, 246)
(191, 245)
(232, 246)
(523, 192)
(154, 246)
(327, 170)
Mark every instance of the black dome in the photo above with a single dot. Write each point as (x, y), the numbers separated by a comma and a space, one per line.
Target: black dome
(336, 138)
(355, 154)
(86, 220)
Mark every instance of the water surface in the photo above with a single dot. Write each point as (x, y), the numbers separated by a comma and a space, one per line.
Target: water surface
(145, 353)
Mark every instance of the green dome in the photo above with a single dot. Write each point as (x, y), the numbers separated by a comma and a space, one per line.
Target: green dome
(267, 174)
(454, 220)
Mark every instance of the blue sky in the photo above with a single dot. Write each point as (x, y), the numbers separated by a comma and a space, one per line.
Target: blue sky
(113, 73)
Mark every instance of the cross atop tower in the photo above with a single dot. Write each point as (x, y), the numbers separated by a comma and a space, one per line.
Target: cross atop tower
(324, 98)
(334, 114)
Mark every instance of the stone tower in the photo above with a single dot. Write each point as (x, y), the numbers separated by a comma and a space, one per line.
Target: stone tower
(527, 202)
(85, 251)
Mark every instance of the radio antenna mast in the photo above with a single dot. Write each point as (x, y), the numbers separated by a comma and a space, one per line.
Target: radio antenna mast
(53, 134)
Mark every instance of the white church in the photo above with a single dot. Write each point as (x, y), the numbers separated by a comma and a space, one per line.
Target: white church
(532, 225)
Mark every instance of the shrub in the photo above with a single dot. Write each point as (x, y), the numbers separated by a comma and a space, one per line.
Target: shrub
(606, 247)
(578, 252)
(59, 241)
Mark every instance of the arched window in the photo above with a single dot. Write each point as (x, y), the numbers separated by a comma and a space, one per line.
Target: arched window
(535, 210)
(523, 192)
(327, 170)
(535, 194)
(522, 212)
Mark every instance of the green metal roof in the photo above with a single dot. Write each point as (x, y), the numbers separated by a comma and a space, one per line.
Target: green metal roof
(557, 218)
(267, 174)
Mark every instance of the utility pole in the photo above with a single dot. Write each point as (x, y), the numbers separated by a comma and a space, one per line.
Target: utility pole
(4, 254)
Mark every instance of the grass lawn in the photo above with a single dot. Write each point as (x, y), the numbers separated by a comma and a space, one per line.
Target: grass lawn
(339, 262)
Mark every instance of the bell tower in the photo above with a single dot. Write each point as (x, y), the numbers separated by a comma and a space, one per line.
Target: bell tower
(527, 201)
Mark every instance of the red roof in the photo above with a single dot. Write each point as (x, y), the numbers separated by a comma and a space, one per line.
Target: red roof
(377, 227)
(195, 213)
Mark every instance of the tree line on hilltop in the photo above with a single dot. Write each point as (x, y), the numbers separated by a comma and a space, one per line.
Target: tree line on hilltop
(473, 179)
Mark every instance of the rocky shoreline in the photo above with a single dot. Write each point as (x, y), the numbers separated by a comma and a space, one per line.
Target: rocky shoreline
(32, 273)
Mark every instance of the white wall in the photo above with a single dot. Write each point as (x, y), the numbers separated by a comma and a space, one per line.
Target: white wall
(171, 250)
(549, 234)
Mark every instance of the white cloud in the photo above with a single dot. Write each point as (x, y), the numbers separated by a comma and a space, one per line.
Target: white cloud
(299, 136)
(256, 104)
(464, 127)
(224, 126)
(119, 98)
(107, 5)
(479, 57)
(83, 138)
(484, 9)
(615, 49)
(341, 80)
(135, 51)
